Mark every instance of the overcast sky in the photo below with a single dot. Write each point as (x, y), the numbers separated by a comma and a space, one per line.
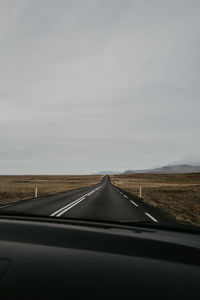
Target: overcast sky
(98, 85)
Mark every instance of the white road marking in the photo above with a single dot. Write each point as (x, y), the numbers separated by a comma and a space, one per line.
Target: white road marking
(62, 208)
(6, 205)
(68, 208)
(90, 193)
(65, 208)
(152, 218)
(125, 196)
(134, 203)
(98, 188)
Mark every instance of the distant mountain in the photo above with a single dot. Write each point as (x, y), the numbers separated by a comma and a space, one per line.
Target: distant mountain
(168, 169)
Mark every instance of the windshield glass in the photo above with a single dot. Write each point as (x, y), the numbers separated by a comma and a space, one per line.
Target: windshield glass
(100, 110)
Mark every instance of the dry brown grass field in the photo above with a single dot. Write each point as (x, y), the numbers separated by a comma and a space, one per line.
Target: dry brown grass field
(178, 195)
(15, 188)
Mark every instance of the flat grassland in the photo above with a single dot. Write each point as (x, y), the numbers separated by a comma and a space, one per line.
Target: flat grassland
(178, 195)
(15, 188)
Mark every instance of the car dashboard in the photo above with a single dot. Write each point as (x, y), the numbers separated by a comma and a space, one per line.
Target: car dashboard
(45, 259)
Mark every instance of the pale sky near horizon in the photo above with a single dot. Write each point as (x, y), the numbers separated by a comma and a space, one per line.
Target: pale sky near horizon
(96, 85)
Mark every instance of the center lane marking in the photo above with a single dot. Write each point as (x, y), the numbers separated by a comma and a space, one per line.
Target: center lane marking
(65, 208)
(69, 207)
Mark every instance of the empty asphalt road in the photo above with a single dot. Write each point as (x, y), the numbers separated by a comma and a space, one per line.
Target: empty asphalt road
(102, 201)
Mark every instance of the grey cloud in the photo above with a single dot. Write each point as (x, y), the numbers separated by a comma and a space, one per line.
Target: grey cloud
(98, 84)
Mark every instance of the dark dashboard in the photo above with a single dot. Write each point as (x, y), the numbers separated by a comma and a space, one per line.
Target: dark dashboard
(43, 259)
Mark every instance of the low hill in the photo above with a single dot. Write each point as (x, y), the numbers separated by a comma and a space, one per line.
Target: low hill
(172, 169)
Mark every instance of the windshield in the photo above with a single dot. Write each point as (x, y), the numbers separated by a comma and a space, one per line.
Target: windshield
(100, 110)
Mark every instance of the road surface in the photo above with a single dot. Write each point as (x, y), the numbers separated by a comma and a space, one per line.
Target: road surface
(102, 201)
